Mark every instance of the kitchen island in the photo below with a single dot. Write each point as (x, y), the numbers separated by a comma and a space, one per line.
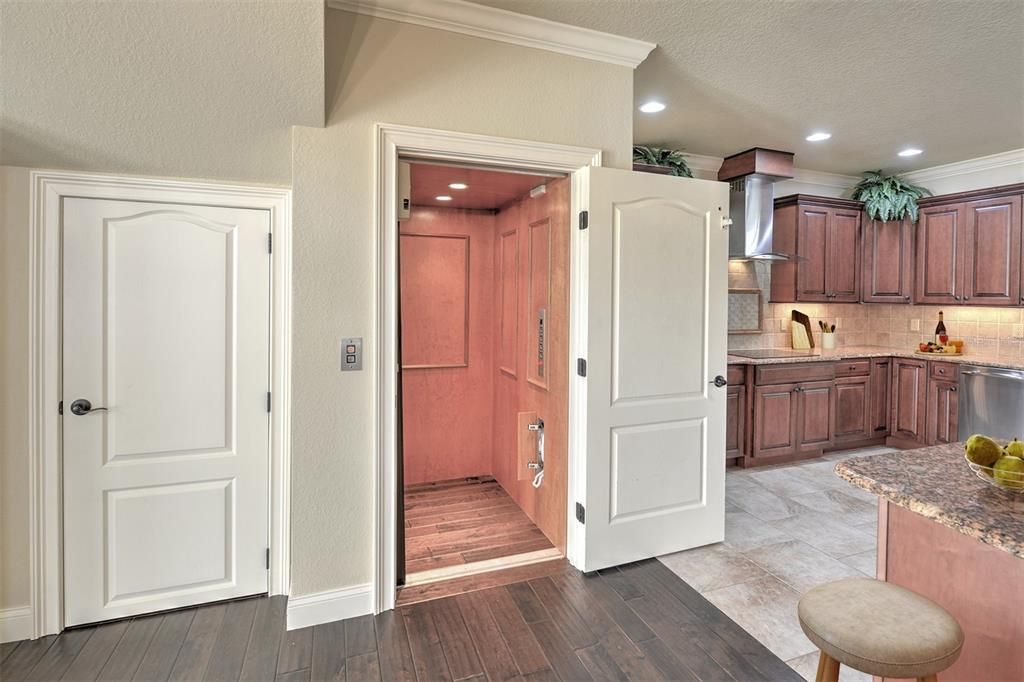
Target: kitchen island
(957, 540)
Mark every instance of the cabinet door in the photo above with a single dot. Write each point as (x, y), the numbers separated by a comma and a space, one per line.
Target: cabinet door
(991, 273)
(735, 426)
(774, 420)
(879, 398)
(815, 408)
(909, 381)
(853, 409)
(943, 405)
(812, 250)
(939, 258)
(843, 266)
(888, 261)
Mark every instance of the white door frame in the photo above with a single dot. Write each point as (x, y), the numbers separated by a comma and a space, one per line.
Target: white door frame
(390, 142)
(47, 189)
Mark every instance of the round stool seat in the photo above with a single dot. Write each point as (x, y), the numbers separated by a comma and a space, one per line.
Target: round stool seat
(880, 628)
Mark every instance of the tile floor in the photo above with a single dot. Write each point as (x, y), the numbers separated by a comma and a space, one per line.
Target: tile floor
(787, 528)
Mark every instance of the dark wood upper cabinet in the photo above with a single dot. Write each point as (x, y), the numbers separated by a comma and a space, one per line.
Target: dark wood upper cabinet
(991, 273)
(824, 234)
(909, 404)
(888, 261)
(969, 248)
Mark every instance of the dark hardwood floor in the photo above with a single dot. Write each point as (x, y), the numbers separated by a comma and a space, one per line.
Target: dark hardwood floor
(638, 622)
(450, 523)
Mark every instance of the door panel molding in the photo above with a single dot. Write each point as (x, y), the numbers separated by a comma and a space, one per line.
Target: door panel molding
(47, 191)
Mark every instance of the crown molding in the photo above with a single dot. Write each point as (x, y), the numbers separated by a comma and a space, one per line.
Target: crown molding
(823, 179)
(508, 27)
(978, 165)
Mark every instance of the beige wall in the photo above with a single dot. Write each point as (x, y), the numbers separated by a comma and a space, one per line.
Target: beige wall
(14, 304)
(382, 71)
(190, 89)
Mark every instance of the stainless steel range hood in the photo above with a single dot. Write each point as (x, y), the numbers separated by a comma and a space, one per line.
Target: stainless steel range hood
(752, 207)
(751, 176)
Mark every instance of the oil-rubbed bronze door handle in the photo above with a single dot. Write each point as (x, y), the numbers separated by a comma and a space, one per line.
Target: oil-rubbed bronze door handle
(82, 407)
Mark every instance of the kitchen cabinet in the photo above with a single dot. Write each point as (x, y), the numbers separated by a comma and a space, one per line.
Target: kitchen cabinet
(824, 234)
(887, 275)
(793, 412)
(879, 396)
(775, 421)
(735, 413)
(853, 409)
(909, 382)
(814, 416)
(969, 249)
(943, 403)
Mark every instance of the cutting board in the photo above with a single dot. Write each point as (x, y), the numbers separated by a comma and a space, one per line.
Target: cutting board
(801, 330)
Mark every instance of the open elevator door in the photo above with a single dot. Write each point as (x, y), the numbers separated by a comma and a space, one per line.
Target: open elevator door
(651, 287)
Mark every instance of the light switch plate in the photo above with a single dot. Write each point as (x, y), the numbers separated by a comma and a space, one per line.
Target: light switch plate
(352, 354)
(915, 325)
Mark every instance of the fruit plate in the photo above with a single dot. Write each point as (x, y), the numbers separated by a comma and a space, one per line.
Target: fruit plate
(987, 474)
(943, 353)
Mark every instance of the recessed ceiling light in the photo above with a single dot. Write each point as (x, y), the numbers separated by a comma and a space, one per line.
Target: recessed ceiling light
(652, 107)
(910, 151)
(443, 197)
(458, 185)
(818, 137)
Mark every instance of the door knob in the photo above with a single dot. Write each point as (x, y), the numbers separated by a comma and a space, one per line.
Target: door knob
(719, 381)
(83, 406)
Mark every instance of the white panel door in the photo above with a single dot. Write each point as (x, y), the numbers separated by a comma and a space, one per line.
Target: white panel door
(166, 313)
(655, 260)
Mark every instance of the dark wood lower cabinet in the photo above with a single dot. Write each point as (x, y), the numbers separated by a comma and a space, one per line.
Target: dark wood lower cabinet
(735, 421)
(775, 418)
(909, 382)
(814, 416)
(943, 408)
(853, 409)
(881, 369)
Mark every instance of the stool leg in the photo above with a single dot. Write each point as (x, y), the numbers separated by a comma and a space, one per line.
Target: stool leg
(828, 669)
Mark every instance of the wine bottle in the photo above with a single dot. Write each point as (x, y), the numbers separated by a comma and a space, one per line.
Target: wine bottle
(940, 332)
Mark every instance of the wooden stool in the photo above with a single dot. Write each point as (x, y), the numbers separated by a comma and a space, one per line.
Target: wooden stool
(880, 629)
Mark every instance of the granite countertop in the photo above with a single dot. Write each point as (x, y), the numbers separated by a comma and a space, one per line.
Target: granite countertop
(849, 352)
(936, 483)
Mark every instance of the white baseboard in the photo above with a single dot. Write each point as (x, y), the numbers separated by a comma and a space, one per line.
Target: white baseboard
(325, 607)
(15, 624)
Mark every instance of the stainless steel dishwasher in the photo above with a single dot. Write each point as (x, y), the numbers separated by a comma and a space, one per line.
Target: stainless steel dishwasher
(991, 402)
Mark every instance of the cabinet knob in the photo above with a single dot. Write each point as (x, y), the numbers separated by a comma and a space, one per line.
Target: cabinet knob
(967, 298)
(942, 371)
(952, 389)
(906, 298)
(956, 298)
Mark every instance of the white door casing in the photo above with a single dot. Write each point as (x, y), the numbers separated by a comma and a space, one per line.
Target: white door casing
(166, 322)
(655, 282)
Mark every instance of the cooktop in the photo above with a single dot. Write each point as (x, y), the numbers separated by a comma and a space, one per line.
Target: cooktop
(764, 353)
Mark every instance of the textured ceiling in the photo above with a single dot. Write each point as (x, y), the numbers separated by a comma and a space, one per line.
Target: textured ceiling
(943, 75)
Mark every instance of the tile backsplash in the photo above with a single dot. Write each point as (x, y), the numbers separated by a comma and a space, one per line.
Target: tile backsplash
(997, 331)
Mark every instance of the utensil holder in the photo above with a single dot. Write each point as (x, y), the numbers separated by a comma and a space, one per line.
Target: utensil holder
(828, 340)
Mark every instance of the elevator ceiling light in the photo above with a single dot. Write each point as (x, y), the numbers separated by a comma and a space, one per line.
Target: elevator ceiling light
(443, 197)
(652, 107)
(818, 137)
(910, 151)
(458, 185)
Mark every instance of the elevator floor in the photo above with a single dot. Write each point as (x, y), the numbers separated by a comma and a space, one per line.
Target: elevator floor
(451, 524)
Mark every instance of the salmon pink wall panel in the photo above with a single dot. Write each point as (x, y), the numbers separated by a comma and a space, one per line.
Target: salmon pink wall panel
(435, 300)
(508, 308)
(448, 343)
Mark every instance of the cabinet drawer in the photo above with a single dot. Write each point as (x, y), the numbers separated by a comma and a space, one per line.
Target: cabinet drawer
(805, 371)
(736, 374)
(853, 368)
(944, 370)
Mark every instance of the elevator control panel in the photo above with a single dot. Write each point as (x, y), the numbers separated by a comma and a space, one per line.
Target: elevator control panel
(352, 354)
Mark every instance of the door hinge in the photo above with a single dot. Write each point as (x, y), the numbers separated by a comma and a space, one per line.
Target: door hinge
(268, 558)
(268, 401)
(581, 513)
(270, 242)
(584, 219)
(581, 367)
(60, 407)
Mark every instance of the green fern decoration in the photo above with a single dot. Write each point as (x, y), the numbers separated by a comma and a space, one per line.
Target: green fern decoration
(888, 197)
(667, 158)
